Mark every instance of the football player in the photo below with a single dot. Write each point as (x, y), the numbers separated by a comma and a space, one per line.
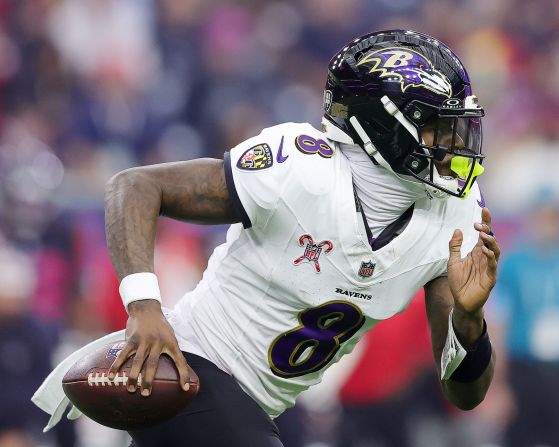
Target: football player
(332, 231)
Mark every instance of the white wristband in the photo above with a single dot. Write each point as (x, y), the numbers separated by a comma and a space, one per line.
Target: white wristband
(139, 286)
(453, 352)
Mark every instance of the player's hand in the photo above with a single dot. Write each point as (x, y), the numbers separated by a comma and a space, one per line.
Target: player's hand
(148, 335)
(472, 278)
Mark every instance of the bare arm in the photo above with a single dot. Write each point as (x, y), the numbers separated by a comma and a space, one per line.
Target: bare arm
(439, 301)
(466, 290)
(193, 191)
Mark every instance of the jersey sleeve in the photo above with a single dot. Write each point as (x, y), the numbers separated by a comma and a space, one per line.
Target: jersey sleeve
(255, 174)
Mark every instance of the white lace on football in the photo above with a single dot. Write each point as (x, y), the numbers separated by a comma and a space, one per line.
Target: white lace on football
(102, 379)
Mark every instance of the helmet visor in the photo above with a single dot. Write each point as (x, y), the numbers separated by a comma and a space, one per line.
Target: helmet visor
(453, 135)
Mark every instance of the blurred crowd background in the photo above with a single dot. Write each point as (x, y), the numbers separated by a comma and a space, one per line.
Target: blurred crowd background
(90, 87)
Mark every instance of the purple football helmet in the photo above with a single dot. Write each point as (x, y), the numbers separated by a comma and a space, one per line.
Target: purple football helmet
(384, 88)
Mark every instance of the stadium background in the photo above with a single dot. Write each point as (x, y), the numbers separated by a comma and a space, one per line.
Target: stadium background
(90, 87)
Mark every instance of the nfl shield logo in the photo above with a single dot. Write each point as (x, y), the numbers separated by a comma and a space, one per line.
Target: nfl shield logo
(114, 350)
(366, 270)
(312, 252)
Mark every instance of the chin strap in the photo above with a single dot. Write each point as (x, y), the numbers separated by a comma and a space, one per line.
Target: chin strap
(372, 151)
(449, 183)
(368, 144)
(391, 108)
(334, 133)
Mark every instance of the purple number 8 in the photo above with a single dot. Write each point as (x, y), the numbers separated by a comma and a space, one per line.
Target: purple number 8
(309, 145)
(312, 345)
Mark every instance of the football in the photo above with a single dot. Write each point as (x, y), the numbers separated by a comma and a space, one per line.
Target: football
(108, 402)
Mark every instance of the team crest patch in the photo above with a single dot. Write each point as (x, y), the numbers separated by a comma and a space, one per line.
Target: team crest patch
(312, 251)
(256, 158)
(114, 350)
(367, 269)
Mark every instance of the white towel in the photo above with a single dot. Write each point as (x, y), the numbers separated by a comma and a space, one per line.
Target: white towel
(50, 396)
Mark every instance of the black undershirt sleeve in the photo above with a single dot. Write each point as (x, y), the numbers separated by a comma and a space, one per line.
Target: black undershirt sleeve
(235, 200)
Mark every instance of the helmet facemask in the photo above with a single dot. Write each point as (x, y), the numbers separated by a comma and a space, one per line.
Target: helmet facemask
(452, 135)
(449, 135)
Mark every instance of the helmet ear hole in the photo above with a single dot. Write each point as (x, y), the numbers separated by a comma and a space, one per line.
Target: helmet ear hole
(415, 164)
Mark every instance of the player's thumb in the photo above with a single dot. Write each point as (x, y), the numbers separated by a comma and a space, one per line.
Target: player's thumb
(455, 245)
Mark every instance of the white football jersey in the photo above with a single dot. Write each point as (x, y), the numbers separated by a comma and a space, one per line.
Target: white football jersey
(295, 289)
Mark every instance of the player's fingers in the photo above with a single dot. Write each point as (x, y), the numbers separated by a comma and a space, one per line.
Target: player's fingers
(483, 228)
(182, 367)
(490, 242)
(491, 261)
(485, 224)
(137, 365)
(486, 217)
(123, 355)
(149, 369)
(454, 246)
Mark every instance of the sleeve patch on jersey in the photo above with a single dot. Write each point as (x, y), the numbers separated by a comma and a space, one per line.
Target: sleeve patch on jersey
(256, 158)
(310, 146)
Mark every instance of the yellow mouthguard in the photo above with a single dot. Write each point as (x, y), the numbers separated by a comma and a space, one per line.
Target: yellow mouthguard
(462, 166)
